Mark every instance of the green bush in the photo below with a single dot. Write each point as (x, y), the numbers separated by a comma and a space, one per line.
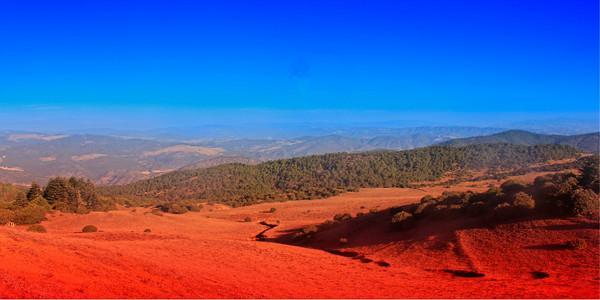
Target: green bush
(173, 208)
(590, 174)
(89, 228)
(424, 208)
(342, 217)
(310, 229)
(6, 216)
(427, 199)
(584, 202)
(37, 228)
(523, 200)
(512, 186)
(29, 214)
(402, 220)
(41, 202)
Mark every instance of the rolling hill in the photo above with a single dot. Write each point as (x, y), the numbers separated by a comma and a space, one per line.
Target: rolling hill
(107, 159)
(320, 176)
(585, 142)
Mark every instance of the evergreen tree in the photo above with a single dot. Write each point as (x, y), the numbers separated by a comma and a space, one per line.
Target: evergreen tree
(34, 191)
(56, 191)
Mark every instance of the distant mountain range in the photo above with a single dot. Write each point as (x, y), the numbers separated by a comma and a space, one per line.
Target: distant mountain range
(585, 142)
(108, 160)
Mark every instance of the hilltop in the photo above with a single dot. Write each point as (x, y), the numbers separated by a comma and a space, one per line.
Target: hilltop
(320, 176)
(585, 142)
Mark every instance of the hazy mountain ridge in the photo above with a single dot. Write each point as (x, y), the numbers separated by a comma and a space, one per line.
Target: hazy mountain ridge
(107, 160)
(589, 142)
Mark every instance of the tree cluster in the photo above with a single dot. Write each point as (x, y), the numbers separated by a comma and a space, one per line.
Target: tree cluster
(325, 175)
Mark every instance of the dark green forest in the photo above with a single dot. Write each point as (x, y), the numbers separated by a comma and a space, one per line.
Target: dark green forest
(320, 176)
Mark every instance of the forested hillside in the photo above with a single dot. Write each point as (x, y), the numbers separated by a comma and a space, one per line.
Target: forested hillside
(325, 175)
(585, 142)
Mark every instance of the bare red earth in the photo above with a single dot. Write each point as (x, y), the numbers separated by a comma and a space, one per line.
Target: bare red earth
(213, 254)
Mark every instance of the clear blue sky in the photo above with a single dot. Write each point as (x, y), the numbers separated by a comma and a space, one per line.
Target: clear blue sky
(444, 56)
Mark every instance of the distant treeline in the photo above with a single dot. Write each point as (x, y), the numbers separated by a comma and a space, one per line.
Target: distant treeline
(320, 176)
(29, 206)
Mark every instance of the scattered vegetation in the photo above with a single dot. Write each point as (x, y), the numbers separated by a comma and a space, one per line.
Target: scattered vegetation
(577, 244)
(321, 176)
(559, 195)
(30, 214)
(89, 228)
(402, 219)
(342, 217)
(6, 216)
(37, 228)
(173, 208)
(310, 229)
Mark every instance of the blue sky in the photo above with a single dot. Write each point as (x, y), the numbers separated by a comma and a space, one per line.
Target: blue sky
(152, 57)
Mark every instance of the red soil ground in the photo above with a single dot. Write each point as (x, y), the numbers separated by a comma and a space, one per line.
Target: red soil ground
(213, 254)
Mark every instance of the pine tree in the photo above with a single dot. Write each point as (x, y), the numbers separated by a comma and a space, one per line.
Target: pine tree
(56, 191)
(34, 191)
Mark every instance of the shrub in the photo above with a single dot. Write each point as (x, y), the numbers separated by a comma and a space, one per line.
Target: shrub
(512, 186)
(29, 215)
(342, 217)
(157, 212)
(41, 202)
(523, 200)
(89, 228)
(310, 229)
(173, 208)
(423, 208)
(450, 198)
(402, 220)
(590, 175)
(6, 216)
(272, 210)
(247, 219)
(193, 207)
(441, 211)
(577, 244)
(147, 230)
(584, 202)
(427, 198)
(37, 228)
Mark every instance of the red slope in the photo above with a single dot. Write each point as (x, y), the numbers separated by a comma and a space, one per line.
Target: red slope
(212, 255)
